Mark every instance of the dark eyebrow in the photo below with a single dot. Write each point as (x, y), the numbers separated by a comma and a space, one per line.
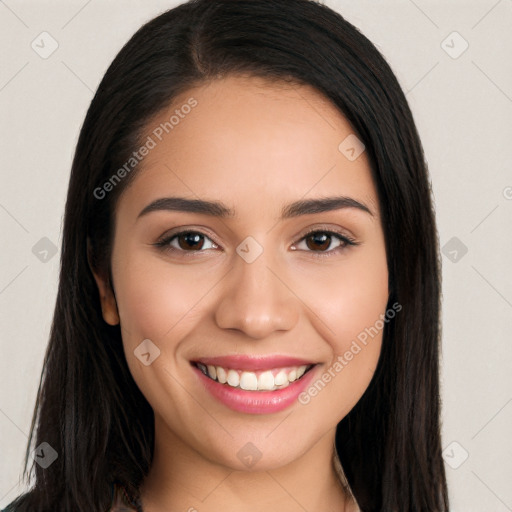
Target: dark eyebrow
(324, 204)
(217, 209)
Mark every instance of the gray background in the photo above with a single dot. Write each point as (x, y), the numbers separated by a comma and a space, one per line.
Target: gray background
(462, 103)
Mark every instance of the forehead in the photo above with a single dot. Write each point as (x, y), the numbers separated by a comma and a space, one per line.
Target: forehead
(250, 142)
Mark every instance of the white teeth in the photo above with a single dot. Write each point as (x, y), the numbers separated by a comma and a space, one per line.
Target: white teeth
(280, 378)
(266, 381)
(212, 372)
(233, 378)
(250, 381)
(221, 375)
(300, 371)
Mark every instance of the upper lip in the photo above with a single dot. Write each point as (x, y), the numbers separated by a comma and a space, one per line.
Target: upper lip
(244, 362)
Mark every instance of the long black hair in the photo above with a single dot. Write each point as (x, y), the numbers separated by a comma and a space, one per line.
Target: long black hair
(89, 409)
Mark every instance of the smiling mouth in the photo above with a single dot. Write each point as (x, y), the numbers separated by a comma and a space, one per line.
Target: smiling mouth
(262, 380)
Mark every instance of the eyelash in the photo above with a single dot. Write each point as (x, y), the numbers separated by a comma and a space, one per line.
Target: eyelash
(346, 241)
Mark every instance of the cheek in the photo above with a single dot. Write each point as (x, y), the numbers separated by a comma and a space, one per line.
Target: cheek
(350, 297)
(349, 304)
(157, 300)
(356, 305)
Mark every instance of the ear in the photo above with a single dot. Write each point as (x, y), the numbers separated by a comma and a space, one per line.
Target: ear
(107, 297)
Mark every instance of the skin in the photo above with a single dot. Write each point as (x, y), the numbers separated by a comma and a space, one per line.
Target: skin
(255, 146)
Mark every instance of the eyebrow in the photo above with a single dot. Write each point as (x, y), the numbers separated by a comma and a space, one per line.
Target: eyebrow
(218, 209)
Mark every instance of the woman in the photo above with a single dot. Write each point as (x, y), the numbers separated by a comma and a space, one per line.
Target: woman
(248, 306)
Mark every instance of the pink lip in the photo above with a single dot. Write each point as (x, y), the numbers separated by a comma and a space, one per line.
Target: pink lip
(256, 402)
(252, 363)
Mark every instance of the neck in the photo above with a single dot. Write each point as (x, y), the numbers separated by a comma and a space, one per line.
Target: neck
(182, 479)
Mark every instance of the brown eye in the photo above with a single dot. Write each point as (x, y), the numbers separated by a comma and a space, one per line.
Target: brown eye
(190, 241)
(187, 241)
(325, 242)
(319, 241)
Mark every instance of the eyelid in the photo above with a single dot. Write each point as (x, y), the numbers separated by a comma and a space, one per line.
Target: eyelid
(328, 228)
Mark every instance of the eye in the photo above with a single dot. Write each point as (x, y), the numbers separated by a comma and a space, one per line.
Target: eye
(187, 241)
(325, 242)
(322, 242)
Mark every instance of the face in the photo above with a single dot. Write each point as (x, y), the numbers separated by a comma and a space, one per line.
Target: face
(269, 287)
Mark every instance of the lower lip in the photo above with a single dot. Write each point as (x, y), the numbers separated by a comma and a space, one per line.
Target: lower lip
(256, 402)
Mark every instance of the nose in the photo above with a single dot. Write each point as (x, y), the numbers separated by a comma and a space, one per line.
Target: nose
(256, 299)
